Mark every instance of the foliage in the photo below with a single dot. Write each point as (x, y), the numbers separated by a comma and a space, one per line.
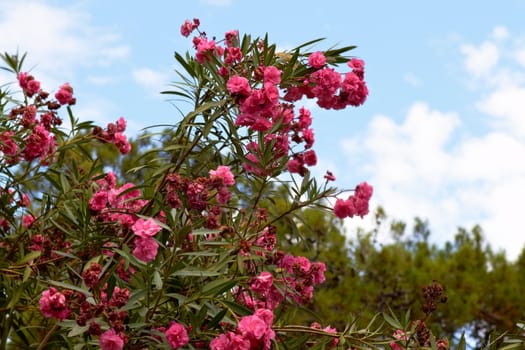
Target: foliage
(186, 254)
(212, 233)
(366, 276)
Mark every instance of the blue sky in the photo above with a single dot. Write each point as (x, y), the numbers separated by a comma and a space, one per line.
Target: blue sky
(442, 135)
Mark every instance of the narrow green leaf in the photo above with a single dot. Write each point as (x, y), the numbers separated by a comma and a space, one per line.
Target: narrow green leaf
(28, 257)
(194, 272)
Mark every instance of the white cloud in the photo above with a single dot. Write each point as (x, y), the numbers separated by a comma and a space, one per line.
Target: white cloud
(479, 60)
(507, 105)
(500, 33)
(151, 80)
(58, 39)
(520, 56)
(417, 170)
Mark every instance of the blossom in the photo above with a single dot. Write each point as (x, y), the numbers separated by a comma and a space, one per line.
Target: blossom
(54, 304)
(27, 220)
(39, 143)
(98, 201)
(257, 328)
(64, 95)
(344, 208)
(262, 283)
(364, 191)
(223, 173)
(231, 37)
(233, 54)
(110, 340)
(205, 48)
(187, 27)
(294, 166)
(358, 67)
(329, 176)
(122, 143)
(91, 274)
(272, 75)
(310, 158)
(230, 341)
(29, 85)
(145, 228)
(176, 335)
(238, 85)
(317, 59)
(145, 249)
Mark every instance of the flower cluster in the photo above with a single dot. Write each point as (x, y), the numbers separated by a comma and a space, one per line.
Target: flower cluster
(145, 245)
(114, 134)
(356, 204)
(114, 204)
(197, 195)
(187, 255)
(331, 90)
(253, 332)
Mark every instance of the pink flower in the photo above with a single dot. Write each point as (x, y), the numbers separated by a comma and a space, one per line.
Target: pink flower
(329, 176)
(231, 37)
(177, 335)
(344, 208)
(317, 270)
(364, 191)
(39, 143)
(54, 304)
(272, 75)
(308, 137)
(98, 201)
(224, 173)
(28, 84)
(310, 158)
(294, 166)
(252, 327)
(317, 59)
(27, 220)
(206, 48)
(145, 228)
(332, 330)
(145, 249)
(187, 27)
(238, 85)
(7, 145)
(262, 283)
(223, 195)
(257, 328)
(110, 340)
(64, 94)
(230, 341)
(233, 54)
(358, 67)
(122, 143)
(121, 124)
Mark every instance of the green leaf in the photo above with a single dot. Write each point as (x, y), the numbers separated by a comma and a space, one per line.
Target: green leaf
(236, 308)
(393, 321)
(70, 286)
(157, 280)
(462, 344)
(218, 286)
(28, 257)
(77, 330)
(194, 272)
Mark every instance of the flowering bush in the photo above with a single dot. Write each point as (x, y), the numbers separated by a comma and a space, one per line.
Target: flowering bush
(187, 258)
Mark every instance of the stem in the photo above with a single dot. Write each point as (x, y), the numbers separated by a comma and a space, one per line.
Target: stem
(44, 341)
(254, 207)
